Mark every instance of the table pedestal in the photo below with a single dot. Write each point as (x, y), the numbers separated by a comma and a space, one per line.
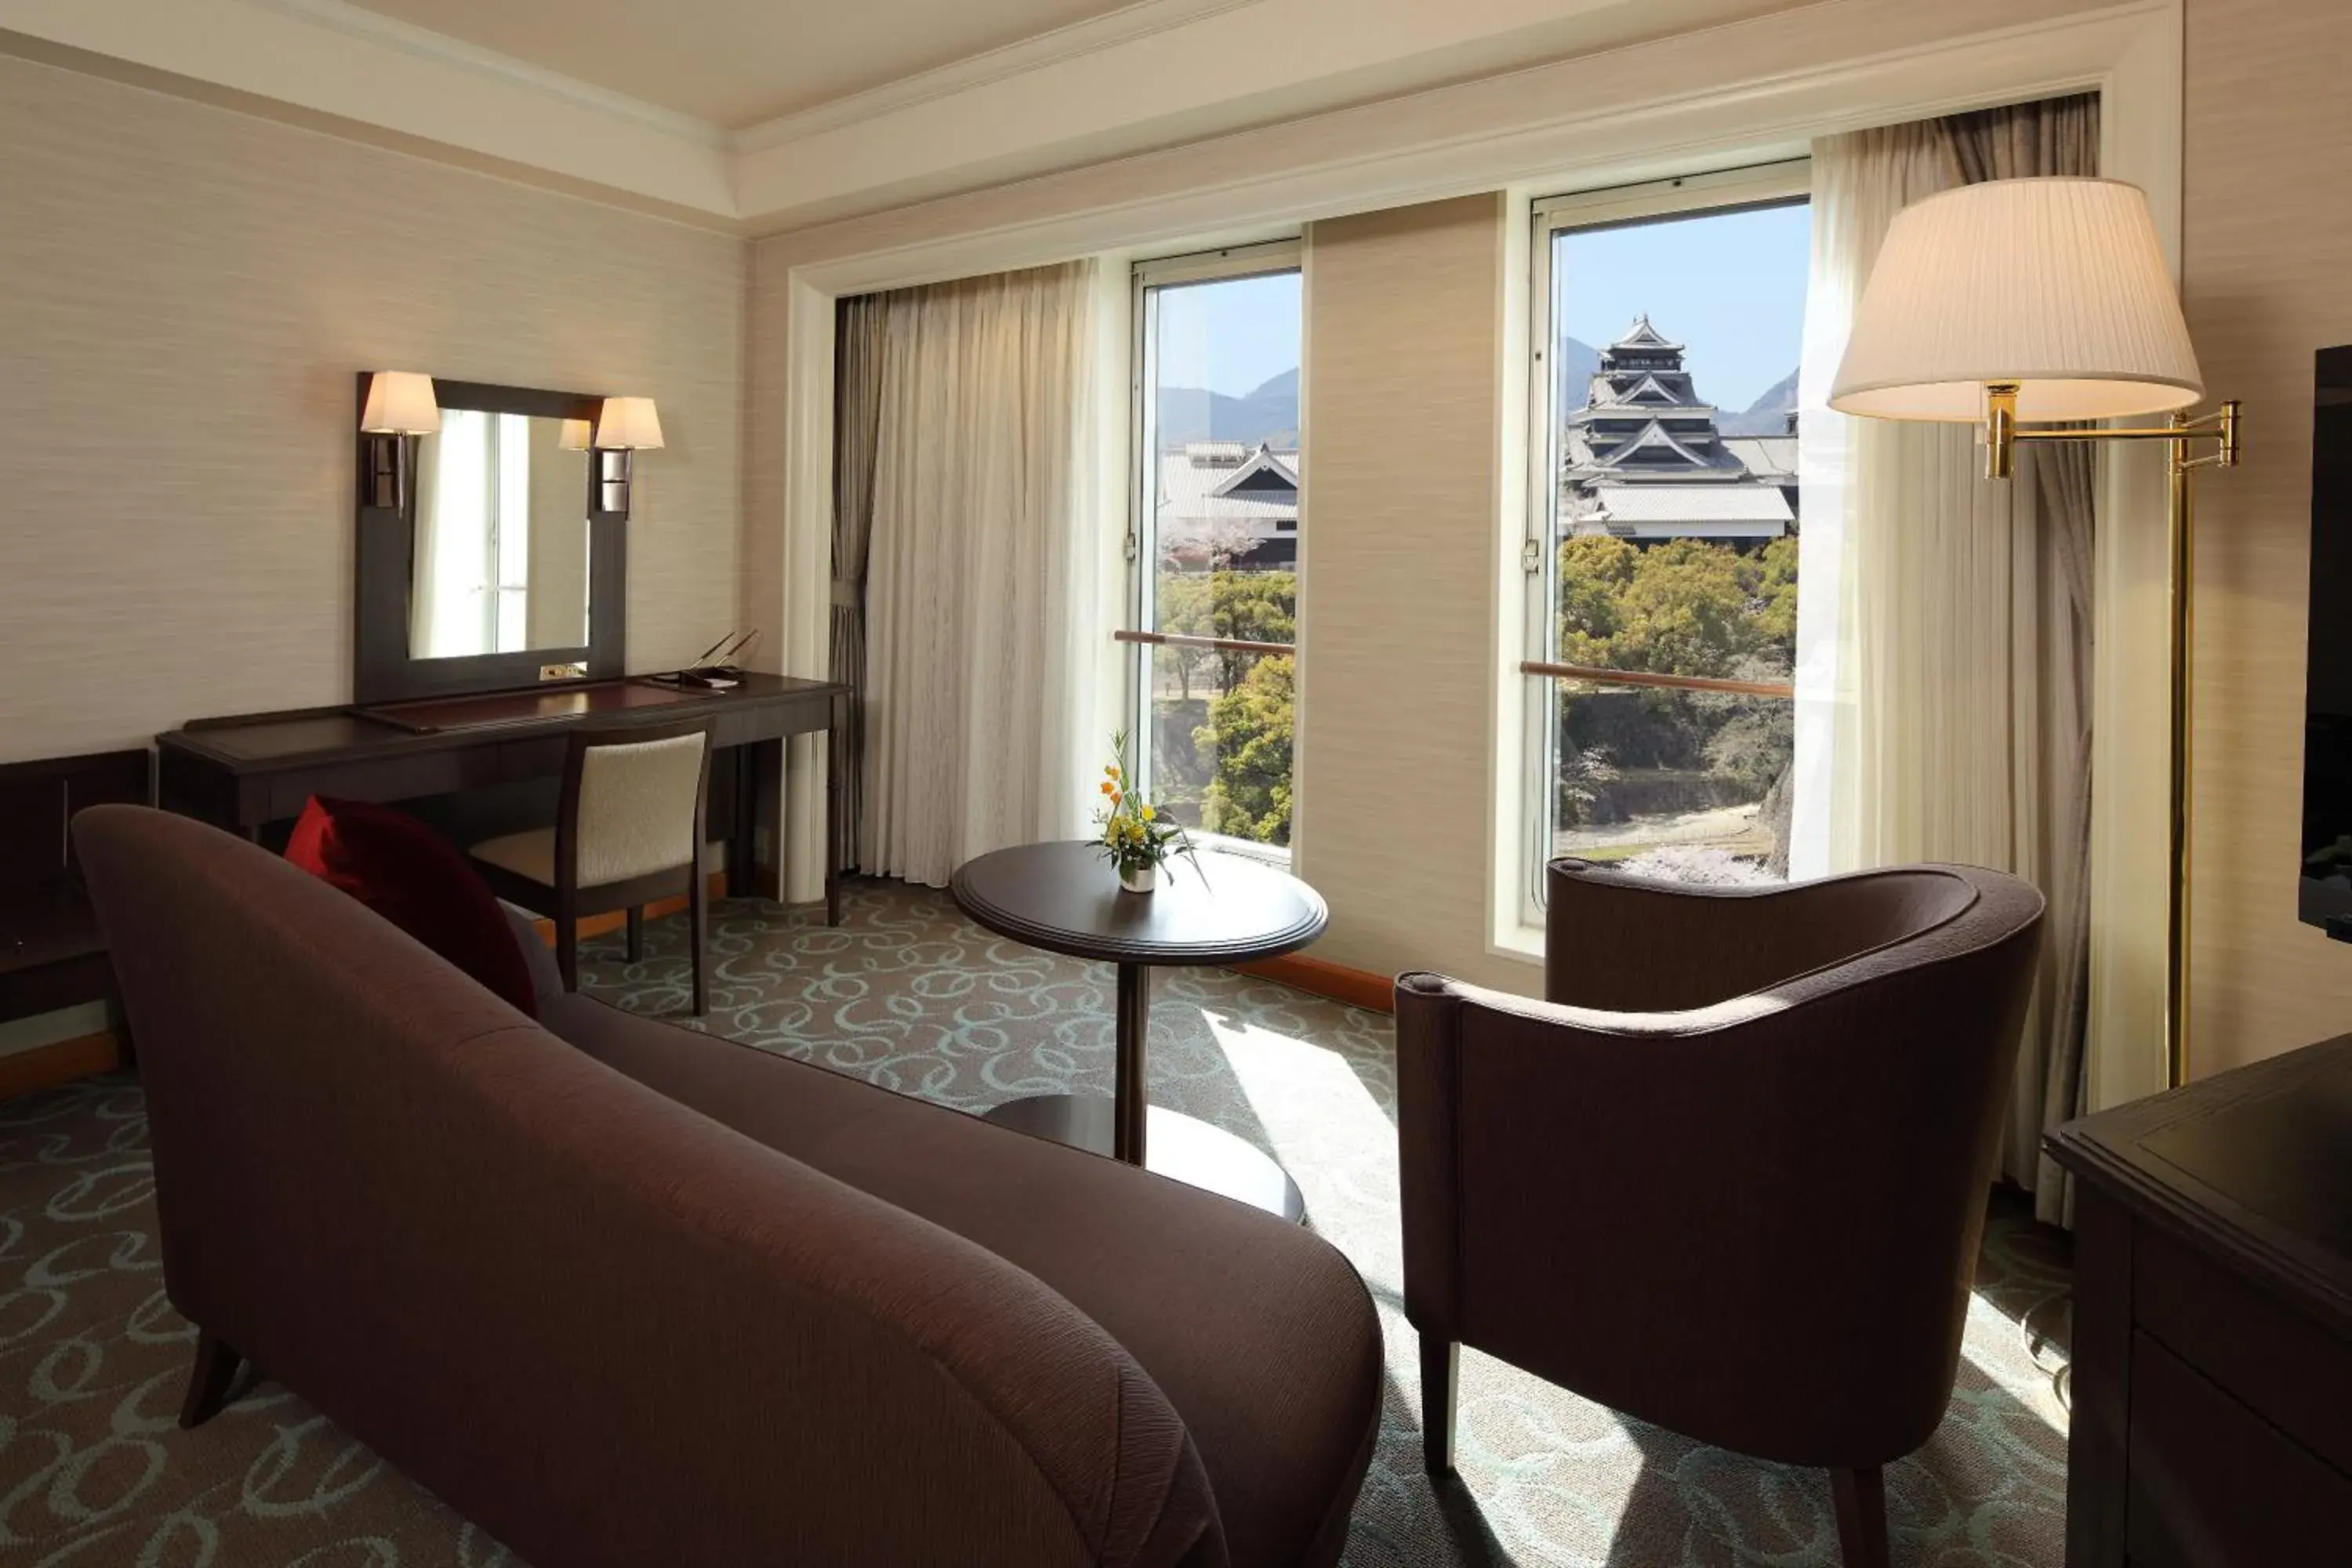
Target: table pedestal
(1181, 1146)
(1128, 1127)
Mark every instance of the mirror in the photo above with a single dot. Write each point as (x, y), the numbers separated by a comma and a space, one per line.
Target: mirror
(492, 563)
(501, 555)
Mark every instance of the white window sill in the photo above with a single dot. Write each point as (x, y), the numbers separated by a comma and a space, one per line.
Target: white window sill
(1274, 855)
(1524, 942)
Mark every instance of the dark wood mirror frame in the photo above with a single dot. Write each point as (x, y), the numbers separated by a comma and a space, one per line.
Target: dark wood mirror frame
(381, 670)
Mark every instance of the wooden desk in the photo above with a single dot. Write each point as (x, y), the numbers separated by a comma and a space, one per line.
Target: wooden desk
(244, 771)
(2212, 1354)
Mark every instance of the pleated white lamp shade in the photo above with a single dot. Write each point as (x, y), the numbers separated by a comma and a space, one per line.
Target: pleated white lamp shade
(400, 403)
(628, 424)
(2059, 285)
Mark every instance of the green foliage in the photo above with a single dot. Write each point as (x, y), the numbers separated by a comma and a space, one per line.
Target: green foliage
(1252, 606)
(1682, 607)
(1249, 732)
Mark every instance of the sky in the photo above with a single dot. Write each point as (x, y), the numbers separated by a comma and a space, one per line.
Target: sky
(1231, 336)
(1730, 285)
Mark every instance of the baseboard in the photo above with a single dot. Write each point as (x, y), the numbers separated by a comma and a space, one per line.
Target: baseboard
(1356, 987)
(45, 1067)
(599, 925)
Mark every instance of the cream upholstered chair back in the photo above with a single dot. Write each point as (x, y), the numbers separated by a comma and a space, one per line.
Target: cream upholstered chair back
(640, 807)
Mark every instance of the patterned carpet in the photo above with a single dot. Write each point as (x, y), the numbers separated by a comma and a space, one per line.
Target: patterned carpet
(94, 1471)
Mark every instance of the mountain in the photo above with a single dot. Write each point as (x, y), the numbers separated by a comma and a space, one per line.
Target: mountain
(1578, 363)
(1769, 415)
(1269, 413)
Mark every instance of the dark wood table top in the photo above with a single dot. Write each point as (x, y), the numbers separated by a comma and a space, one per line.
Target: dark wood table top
(1066, 898)
(2254, 1163)
(247, 742)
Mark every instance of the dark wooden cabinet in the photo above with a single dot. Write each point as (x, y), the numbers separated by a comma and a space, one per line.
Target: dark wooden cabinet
(51, 952)
(2212, 1368)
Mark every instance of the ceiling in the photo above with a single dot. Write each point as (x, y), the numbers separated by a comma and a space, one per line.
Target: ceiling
(736, 63)
(765, 115)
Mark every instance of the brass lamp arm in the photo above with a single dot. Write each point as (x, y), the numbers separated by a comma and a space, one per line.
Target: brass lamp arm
(2002, 432)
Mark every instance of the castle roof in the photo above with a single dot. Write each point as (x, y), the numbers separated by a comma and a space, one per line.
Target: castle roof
(1643, 338)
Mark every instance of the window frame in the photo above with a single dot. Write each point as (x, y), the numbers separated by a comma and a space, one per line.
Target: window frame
(1746, 188)
(1264, 258)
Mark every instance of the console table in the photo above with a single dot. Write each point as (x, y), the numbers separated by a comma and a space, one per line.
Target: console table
(2212, 1355)
(243, 771)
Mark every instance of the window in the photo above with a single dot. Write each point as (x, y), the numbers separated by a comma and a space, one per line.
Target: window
(1214, 541)
(1662, 550)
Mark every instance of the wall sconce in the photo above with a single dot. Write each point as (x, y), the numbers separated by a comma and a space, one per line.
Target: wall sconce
(625, 426)
(400, 404)
(575, 436)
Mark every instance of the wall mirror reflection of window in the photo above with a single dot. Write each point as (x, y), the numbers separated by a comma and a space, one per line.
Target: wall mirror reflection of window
(501, 543)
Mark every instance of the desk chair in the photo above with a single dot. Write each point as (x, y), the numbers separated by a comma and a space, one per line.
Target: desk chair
(628, 831)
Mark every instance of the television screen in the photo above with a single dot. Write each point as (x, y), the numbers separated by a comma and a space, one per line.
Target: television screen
(2326, 897)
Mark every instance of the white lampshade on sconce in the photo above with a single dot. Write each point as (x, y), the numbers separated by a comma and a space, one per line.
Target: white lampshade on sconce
(2042, 301)
(629, 424)
(625, 427)
(399, 406)
(575, 436)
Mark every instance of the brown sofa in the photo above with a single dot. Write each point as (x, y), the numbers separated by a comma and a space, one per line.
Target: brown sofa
(1730, 1177)
(624, 1294)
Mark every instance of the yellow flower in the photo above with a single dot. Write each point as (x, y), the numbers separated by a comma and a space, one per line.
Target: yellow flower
(1148, 813)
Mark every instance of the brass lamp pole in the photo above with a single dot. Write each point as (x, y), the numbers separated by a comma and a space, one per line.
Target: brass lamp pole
(2180, 436)
(2051, 300)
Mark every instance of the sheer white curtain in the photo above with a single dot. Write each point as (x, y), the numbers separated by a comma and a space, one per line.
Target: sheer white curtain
(978, 616)
(1944, 635)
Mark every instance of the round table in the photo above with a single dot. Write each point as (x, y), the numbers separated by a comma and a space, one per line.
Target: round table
(1066, 898)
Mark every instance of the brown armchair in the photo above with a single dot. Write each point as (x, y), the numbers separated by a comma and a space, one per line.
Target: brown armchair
(1624, 1189)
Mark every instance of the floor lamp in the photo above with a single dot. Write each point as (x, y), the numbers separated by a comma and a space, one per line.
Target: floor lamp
(2029, 306)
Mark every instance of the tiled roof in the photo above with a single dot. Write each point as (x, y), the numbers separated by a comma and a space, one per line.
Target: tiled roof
(1766, 456)
(1690, 503)
(1188, 501)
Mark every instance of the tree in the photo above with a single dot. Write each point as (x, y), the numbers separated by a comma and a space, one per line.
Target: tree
(1681, 606)
(1249, 731)
(1248, 606)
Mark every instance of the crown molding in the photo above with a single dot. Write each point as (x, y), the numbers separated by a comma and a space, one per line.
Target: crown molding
(1151, 74)
(335, 68)
(1075, 41)
(389, 32)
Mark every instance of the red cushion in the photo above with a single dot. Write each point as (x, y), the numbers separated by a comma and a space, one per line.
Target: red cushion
(416, 879)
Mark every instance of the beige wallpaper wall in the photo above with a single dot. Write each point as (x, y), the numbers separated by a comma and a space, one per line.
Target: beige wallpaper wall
(1403, 313)
(185, 295)
(2267, 276)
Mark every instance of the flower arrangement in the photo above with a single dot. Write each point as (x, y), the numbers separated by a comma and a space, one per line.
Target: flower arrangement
(1135, 836)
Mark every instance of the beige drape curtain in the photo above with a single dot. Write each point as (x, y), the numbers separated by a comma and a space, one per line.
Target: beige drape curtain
(978, 603)
(858, 327)
(1944, 639)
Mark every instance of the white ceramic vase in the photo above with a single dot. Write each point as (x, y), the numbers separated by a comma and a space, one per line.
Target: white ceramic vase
(1141, 879)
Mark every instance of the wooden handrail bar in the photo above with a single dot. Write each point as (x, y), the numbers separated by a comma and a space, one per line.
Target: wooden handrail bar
(1644, 677)
(1221, 645)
